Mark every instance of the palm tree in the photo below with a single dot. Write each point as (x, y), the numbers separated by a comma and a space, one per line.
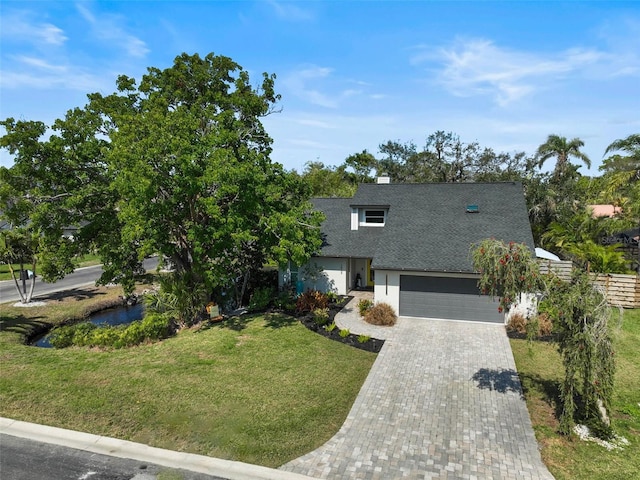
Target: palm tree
(562, 149)
(623, 168)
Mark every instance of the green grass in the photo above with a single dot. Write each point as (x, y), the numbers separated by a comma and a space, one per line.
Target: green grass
(541, 372)
(84, 261)
(259, 389)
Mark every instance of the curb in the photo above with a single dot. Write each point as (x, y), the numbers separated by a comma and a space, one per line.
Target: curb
(228, 469)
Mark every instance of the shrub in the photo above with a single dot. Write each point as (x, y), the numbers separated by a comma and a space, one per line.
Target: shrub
(284, 300)
(545, 325)
(381, 314)
(321, 316)
(363, 338)
(344, 333)
(83, 334)
(331, 327)
(364, 305)
(517, 323)
(62, 337)
(332, 297)
(311, 300)
(154, 326)
(260, 299)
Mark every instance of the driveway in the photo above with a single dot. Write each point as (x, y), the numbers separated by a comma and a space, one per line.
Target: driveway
(443, 400)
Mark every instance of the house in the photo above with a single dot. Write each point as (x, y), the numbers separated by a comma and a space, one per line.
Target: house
(602, 210)
(411, 244)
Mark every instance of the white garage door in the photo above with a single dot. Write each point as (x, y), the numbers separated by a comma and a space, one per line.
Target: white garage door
(446, 297)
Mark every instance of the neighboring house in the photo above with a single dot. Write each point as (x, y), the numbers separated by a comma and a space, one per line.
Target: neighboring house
(603, 210)
(411, 244)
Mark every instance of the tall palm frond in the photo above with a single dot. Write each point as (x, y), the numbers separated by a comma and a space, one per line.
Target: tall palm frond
(562, 150)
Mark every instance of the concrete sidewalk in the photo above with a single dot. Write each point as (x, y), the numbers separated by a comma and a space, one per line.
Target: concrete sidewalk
(443, 400)
(123, 449)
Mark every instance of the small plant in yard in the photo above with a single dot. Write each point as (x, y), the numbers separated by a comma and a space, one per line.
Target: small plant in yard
(321, 316)
(332, 297)
(381, 314)
(364, 305)
(363, 338)
(260, 299)
(311, 300)
(517, 323)
(331, 327)
(344, 333)
(545, 325)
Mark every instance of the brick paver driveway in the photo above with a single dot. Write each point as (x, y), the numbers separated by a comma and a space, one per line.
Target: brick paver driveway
(443, 400)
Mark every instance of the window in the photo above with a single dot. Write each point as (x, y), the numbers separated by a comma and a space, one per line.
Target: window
(373, 218)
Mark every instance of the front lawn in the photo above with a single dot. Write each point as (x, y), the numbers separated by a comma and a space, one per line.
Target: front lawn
(540, 368)
(260, 389)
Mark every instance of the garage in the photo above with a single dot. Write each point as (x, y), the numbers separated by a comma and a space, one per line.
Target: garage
(446, 297)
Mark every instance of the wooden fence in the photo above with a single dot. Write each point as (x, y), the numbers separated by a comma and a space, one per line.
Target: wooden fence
(621, 290)
(561, 268)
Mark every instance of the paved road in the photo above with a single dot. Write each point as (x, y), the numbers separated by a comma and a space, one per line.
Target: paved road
(23, 459)
(37, 452)
(443, 400)
(81, 277)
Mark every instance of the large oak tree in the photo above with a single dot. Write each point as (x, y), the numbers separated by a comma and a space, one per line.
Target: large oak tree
(183, 169)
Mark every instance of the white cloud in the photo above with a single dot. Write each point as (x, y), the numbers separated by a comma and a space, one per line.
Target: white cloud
(33, 72)
(316, 85)
(108, 28)
(17, 26)
(290, 11)
(298, 83)
(479, 67)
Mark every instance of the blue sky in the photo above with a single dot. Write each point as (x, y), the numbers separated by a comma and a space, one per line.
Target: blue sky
(352, 74)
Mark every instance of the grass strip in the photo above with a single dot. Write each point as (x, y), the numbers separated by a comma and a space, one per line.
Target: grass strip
(540, 367)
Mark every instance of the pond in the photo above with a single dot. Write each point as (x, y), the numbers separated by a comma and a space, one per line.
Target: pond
(110, 317)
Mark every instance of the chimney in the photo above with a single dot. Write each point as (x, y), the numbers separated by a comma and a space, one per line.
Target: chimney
(384, 178)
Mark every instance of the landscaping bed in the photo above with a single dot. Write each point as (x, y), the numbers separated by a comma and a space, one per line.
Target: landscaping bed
(324, 328)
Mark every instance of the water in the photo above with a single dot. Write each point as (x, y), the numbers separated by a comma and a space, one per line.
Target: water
(109, 317)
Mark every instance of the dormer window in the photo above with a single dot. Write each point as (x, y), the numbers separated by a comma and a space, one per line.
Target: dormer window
(373, 217)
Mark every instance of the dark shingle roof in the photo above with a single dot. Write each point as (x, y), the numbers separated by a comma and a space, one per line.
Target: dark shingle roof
(428, 227)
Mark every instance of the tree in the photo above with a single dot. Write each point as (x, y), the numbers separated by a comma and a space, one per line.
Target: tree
(562, 150)
(51, 187)
(20, 246)
(581, 319)
(325, 181)
(445, 158)
(361, 163)
(181, 168)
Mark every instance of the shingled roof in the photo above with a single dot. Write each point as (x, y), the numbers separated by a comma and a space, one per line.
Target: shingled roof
(428, 227)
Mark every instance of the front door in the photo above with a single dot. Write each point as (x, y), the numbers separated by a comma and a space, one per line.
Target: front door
(369, 274)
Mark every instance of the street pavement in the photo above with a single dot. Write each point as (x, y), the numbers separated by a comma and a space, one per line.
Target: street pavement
(88, 453)
(24, 459)
(81, 277)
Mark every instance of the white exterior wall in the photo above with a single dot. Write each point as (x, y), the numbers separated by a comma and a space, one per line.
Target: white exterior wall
(527, 306)
(387, 288)
(333, 277)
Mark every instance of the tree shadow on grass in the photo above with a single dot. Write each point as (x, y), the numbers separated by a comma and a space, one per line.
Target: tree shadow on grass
(73, 293)
(500, 380)
(236, 323)
(22, 325)
(274, 320)
(550, 390)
